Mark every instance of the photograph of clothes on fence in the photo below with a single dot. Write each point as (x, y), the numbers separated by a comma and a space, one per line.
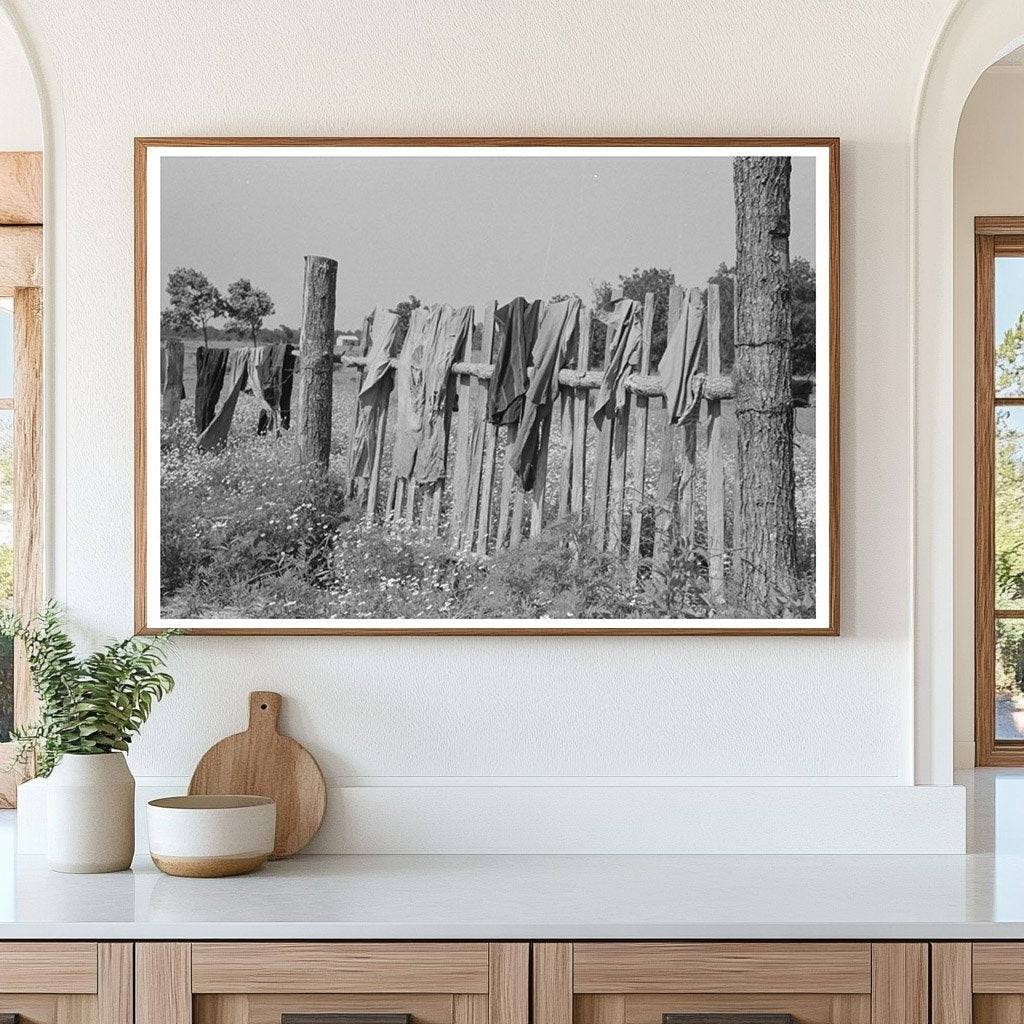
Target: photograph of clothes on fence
(648, 451)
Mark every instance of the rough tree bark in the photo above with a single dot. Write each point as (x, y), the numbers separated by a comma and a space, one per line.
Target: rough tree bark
(763, 384)
(316, 362)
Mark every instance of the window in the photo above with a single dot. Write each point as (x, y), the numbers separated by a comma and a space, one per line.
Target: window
(21, 366)
(999, 490)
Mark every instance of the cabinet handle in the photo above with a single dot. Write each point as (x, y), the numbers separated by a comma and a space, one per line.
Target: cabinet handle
(336, 1018)
(728, 1018)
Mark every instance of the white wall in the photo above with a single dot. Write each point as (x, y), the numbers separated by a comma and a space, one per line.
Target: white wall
(988, 181)
(21, 125)
(443, 713)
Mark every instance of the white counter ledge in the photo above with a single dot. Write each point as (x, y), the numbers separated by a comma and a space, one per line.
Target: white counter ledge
(531, 897)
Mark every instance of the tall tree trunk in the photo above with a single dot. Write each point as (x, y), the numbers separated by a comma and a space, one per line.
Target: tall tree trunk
(763, 383)
(316, 362)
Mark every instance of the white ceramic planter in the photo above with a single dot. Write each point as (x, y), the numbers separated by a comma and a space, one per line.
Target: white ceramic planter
(90, 814)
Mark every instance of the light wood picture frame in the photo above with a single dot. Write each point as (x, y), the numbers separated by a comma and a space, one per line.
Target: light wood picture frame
(571, 508)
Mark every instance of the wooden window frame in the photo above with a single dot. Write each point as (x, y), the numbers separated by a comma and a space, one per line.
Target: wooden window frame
(21, 269)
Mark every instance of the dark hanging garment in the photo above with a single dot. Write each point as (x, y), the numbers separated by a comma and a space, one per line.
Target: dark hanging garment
(210, 366)
(558, 327)
(267, 372)
(215, 436)
(172, 375)
(287, 380)
(516, 326)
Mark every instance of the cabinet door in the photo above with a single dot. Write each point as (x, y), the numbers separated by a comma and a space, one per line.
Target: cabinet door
(66, 982)
(980, 982)
(332, 983)
(737, 982)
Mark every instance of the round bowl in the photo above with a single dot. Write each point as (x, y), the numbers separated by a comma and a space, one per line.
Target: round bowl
(211, 836)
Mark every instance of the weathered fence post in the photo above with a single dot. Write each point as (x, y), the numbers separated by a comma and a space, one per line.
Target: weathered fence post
(715, 492)
(488, 457)
(477, 434)
(688, 475)
(666, 494)
(640, 442)
(763, 381)
(579, 426)
(737, 521)
(603, 465)
(356, 487)
(316, 362)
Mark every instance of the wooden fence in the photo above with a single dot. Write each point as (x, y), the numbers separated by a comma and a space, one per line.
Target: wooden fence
(485, 508)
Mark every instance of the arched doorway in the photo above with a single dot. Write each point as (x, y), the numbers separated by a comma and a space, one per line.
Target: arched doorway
(976, 34)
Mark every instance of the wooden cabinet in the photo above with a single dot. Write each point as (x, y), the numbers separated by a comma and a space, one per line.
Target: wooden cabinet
(260, 982)
(66, 982)
(815, 982)
(496, 983)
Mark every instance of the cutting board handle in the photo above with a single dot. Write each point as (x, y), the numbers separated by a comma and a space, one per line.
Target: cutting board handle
(264, 710)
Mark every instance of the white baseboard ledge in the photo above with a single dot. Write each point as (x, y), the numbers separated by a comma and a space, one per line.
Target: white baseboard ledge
(599, 819)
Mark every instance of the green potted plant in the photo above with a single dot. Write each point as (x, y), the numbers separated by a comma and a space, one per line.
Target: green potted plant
(89, 710)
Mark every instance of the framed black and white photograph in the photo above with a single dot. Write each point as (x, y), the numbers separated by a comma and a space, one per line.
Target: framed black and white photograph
(509, 386)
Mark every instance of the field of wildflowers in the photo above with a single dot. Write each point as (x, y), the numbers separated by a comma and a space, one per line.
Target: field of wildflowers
(247, 533)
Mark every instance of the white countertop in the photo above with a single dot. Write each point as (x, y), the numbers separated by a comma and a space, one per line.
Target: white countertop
(532, 897)
(977, 896)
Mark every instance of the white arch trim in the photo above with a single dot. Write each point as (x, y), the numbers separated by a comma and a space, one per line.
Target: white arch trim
(975, 34)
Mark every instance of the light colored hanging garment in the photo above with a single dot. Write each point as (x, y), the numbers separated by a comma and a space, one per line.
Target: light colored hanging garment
(454, 335)
(558, 324)
(375, 391)
(216, 434)
(410, 391)
(625, 333)
(680, 362)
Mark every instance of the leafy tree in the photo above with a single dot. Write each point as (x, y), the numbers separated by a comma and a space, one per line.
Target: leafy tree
(173, 324)
(1009, 512)
(194, 302)
(1010, 360)
(803, 290)
(247, 307)
(404, 311)
(636, 285)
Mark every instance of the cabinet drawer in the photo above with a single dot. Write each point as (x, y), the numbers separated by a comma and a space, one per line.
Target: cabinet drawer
(66, 982)
(735, 982)
(630, 967)
(263, 982)
(340, 967)
(48, 967)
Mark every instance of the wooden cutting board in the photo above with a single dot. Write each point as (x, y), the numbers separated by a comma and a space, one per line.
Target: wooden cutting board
(262, 762)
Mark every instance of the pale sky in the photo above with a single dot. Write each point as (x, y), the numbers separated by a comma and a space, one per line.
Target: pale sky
(459, 230)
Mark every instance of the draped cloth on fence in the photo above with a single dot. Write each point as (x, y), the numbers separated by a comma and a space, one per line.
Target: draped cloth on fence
(267, 368)
(559, 324)
(210, 366)
(172, 377)
(516, 332)
(437, 337)
(625, 333)
(375, 391)
(684, 386)
(216, 433)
